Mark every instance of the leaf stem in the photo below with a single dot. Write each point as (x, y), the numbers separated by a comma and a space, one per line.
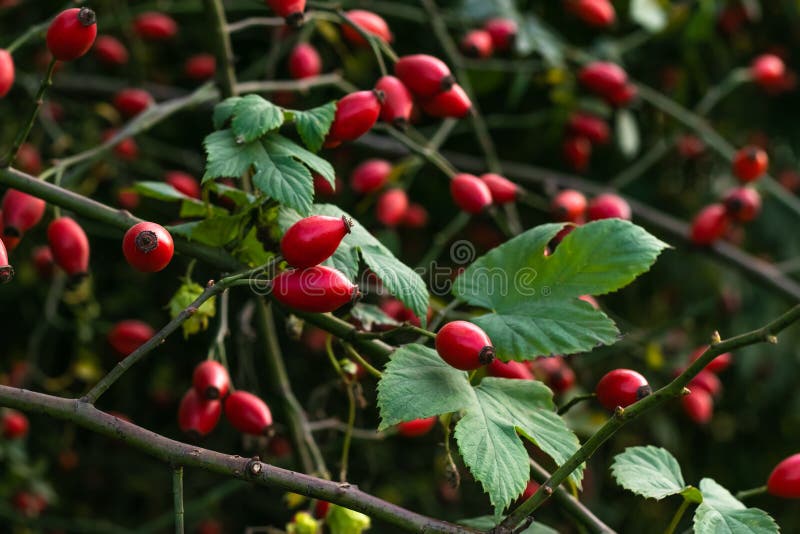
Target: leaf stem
(348, 434)
(224, 50)
(676, 519)
(574, 401)
(746, 494)
(360, 359)
(47, 81)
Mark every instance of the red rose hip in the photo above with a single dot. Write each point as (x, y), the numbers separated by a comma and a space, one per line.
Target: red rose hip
(470, 193)
(21, 212)
(127, 336)
(768, 71)
(424, 75)
(569, 206)
(317, 289)
(464, 346)
(304, 62)
(577, 152)
(110, 51)
(184, 183)
(453, 103)
(14, 424)
(370, 176)
(148, 247)
(200, 67)
(750, 163)
(502, 189)
(6, 270)
(72, 33)
(477, 44)
(210, 380)
(603, 77)
(291, 10)
(597, 13)
(621, 387)
(392, 206)
(356, 114)
(608, 206)
(370, 23)
(131, 102)
(511, 369)
(247, 413)
(698, 406)
(155, 26)
(503, 33)
(416, 427)
(784, 481)
(198, 416)
(397, 101)
(709, 225)
(743, 204)
(69, 245)
(312, 240)
(6, 72)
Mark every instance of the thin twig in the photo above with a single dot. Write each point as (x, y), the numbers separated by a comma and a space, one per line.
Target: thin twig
(224, 50)
(239, 25)
(47, 81)
(177, 498)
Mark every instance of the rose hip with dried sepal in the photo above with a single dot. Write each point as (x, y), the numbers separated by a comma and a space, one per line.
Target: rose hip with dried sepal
(621, 388)
(148, 247)
(464, 345)
(312, 240)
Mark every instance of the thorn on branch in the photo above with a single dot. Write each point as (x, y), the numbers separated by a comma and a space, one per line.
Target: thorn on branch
(715, 338)
(773, 340)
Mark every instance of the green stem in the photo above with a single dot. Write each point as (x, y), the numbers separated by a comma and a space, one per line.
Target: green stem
(642, 165)
(323, 80)
(239, 25)
(224, 50)
(714, 95)
(432, 156)
(746, 494)
(197, 506)
(574, 401)
(676, 519)
(360, 359)
(177, 498)
(348, 434)
(28, 35)
(47, 81)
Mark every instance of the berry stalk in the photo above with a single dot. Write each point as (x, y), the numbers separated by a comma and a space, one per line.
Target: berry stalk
(47, 81)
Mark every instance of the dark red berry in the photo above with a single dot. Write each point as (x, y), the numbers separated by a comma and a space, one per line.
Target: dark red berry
(324, 188)
(304, 62)
(198, 416)
(768, 71)
(210, 380)
(43, 262)
(424, 75)
(391, 207)
(718, 364)
(503, 33)
(511, 369)
(21, 212)
(453, 103)
(622, 96)
(416, 427)
(577, 152)
(127, 336)
(699, 406)
(750, 163)
(6, 72)
(464, 346)
(321, 509)
(356, 114)
(621, 387)
(128, 199)
(369, 22)
(316, 289)
(247, 413)
(131, 102)
(784, 481)
(291, 10)
(148, 247)
(70, 246)
(477, 44)
(399, 312)
(370, 176)
(28, 503)
(470, 193)
(6, 270)
(200, 67)
(125, 149)
(155, 26)
(28, 159)
(569, 206)
(14, 424)
(706, 381)
(502, 189)
(397, 101)
(743, 204)
(709, 225)
(603, 78)
(690, 146)
(592, 128)
(10, 242)
(597, 13)
(111, 51)
(608, 206)
(72, 33)
(555, 372)
(312, 240)
(184, 183)
(416, 216)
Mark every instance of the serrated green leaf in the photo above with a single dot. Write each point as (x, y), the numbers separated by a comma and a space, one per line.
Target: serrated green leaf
(649, 14)
(533, 297)
(226, 157)
(191, 208)
(254, 116)
(651, 472)
(370, 315)
(239, 197)
(721, 513)
(497, 415)
(250, 250)
(281, 146)
(488, 522)
(224, 111)
(216, 232)
(313, 125)
(286, 180)
(399, 279)
(159, 191)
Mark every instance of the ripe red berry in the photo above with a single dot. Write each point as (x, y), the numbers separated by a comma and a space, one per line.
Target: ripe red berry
(502, 189)
(316, 289)
(369, 22)
(323, 187)
(155, 26)
(198, 416)
(391, 207)
(699, 406)
(43, 263)
(72, 33)
(28, 159)
(750, 163)
(6, 270)
(470, 193)
(127, 336)
(784, 481)
(709, 225)
(621, 387)
(28, 503)
(706, 381)
(424, 75)
(127, 199)
(768, 71)
(597, 13)
(453, 103)
(184, 183)
(126, 149)
(592, 128)
(464, 346)
(416, 216)
(622, 96)
(356, 114)
(569, 206)
(200, 67)
(603, 78)
(21, 212)
(718, 364)
(397, 101)
(69, 245)
(503, 33)
(743, 204)
(312, 240)
(247, 413)
(210, 380)
(131, 102)
(304, 62)
(291, 10)
(555, 372)
(14, 424)
(511, 369)
(148, 247)
(370, 176)
(110, 50)
(577, 152)
(608, 206)
(6, 72)
(399, 312)
(416, 427)
(477, 43)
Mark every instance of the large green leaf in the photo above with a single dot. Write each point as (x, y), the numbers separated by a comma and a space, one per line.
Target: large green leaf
(279, 145)
(313, 125)
(722, 513)
(651, 472)
(226, 157)
(497, 414)
(399, 279)
(253, 116)
(534, 298)
(224, 111)
(286, 180)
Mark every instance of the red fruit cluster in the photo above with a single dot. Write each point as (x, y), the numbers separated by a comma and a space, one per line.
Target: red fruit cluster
(595, 13)
(464, 346)
(608, 81)
(554, 371)
(475, 194)
(583, 131)
(148, 247)
(572, 206)
(621, 388)
(705, 387)
(429, 80)
(497, 35)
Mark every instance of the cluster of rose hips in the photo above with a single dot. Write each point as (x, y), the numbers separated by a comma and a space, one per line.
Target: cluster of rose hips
(572, 206)
(741, 204)
(496, 36)
(704, 388)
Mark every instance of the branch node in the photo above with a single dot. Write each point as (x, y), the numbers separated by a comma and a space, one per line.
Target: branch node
(715, 338)
(191, 310)
(772, 339)
(685, 391)
(548, 490)
(619, 412)
(210, 283)
(254, 466)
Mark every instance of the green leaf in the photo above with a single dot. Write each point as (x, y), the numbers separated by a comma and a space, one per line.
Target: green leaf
(651, 472)
(286, 180)
(488, 522)
(534, 298)
(370, 315)
(313, 125)
(649, 14)
(239, 197)
(496, 415)
(216, 232)
(721, 513)
(399, 279)
(224, 111)
(226, 157)
(182, 299)
(191, 208)
(253, 116)
(159, 191)
(345, 521)
(250, 250)
(279, 145)
(628, 138)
